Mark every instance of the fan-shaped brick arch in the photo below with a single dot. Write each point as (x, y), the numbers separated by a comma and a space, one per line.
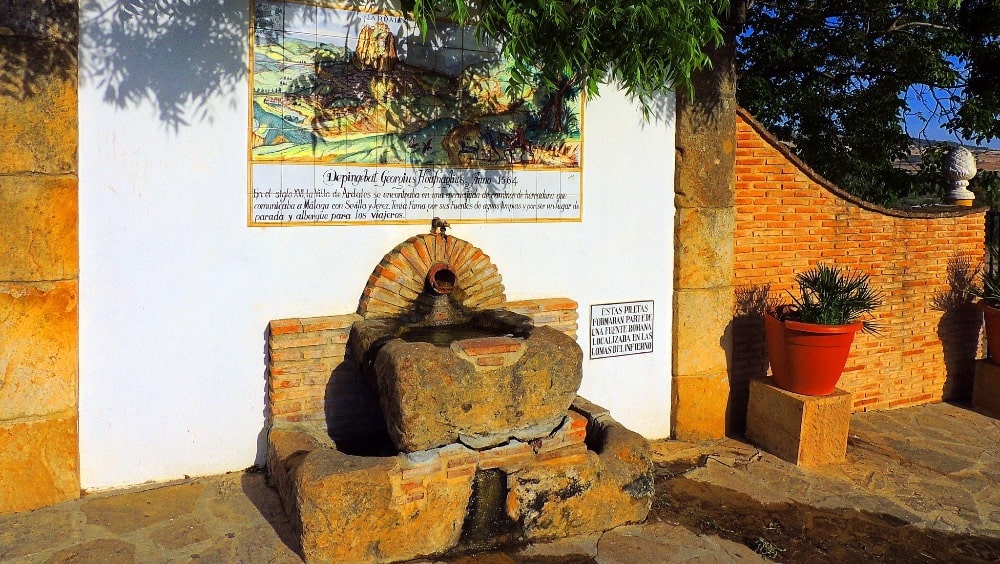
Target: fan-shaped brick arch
(398, 279)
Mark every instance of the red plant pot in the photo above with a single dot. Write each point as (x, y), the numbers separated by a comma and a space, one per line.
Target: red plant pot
(807, 358)
(774, 331)
(991, 317)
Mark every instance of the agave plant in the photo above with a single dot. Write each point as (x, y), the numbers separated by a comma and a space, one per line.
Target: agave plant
(829, 295)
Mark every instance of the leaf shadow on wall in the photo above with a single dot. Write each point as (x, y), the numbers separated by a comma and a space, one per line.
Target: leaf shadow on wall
(959, 328)
(174, 55)
(748, 357)
(39, 47)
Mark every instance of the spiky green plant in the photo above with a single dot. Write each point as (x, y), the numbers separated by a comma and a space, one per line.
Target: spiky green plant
(829, 295)
(989, 290)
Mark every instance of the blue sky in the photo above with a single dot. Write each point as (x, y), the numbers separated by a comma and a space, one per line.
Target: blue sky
(935, 132)
(933, 129)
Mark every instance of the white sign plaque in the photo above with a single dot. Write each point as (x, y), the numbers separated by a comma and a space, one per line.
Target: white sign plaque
(621, 329)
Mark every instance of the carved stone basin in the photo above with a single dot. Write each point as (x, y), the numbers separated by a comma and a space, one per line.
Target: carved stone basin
(507, 380)
(491, 445)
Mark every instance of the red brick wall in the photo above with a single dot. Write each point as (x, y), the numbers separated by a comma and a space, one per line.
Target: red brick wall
(788, 219)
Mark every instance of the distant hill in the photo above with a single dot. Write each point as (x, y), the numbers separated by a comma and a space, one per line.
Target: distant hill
(986, 159)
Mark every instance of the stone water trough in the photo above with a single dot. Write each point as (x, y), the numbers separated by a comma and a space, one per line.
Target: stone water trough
(478, 438)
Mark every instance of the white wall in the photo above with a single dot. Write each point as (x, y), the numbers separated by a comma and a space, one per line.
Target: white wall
(176, 291)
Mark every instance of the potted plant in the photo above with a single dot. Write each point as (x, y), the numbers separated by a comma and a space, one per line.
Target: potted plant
(808, 340)
(988, 292)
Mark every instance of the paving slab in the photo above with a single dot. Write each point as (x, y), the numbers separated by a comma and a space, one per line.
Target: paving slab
(917, 481)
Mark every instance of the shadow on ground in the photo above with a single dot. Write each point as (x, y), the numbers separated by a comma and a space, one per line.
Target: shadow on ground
(268, 503)
(793, 532)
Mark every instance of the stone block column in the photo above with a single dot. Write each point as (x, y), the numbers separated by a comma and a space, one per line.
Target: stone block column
(703, 251)
(39, 269)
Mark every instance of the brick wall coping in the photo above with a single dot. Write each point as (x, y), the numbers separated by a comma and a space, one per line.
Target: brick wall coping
(936, 211)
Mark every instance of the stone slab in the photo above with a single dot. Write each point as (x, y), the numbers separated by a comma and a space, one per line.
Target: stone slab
(699, 407)
(986, 388)
(803, 430)
(38, 98)
(39, 463)
(708, 240)
(702, 339)
(39, 237)
(38, 359)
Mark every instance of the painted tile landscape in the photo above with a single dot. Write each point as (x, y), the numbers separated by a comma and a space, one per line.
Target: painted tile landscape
(343, 86)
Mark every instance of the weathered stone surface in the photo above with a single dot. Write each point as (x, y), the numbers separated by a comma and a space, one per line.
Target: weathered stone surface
(38, 360)
(39, 463)
(708, 240)
(609, 488)
(702, 338)
(30, 532)
(666, 543)
(354, 508)
(704, 188)
(180, 532)
(348, 512)
(702, 352)
(706, 132)
(48, 19)
(986, 388)
(392, 508)
(121, 515)
(698, 411)
(431, 396)
(804, 430)
(38, 103)
(39, 237)
(100, 550)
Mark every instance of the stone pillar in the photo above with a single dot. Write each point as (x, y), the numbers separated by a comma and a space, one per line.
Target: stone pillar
(39, 452)
(703, 250)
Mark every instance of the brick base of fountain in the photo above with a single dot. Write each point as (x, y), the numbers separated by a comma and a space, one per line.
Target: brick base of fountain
(375, 462)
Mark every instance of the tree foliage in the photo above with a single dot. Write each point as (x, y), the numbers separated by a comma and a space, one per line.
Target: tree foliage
(644, 45)
(833, 76)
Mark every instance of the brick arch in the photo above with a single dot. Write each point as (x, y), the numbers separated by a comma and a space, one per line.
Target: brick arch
(398, 280)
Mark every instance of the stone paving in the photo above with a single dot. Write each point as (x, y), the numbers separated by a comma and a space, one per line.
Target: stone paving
(934, 466)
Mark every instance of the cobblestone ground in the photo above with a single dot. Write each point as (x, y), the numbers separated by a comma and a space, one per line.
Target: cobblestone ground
(919, 484)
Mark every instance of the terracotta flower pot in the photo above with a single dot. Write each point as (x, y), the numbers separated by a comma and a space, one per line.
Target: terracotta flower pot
(774, 332)
(991, 316)
(807, 358)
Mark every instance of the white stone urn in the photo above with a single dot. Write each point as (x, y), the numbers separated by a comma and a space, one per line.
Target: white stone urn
(960, 167)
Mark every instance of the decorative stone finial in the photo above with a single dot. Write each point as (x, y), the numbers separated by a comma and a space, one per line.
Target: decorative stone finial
(960, 167)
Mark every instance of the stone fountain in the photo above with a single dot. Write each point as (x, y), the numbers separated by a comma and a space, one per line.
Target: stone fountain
(482, 440)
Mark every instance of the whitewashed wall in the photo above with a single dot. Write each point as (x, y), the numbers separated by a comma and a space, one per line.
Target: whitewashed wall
(176, 291)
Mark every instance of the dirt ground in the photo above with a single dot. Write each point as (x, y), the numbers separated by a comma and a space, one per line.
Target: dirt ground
(790, 532)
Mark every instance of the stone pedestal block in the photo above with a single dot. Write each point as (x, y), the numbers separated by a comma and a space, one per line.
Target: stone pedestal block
(986, 388)
(804, 430)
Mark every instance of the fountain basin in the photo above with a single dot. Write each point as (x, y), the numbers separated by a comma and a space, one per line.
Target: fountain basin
(591, 474)
(479, 391)
(437, 419)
